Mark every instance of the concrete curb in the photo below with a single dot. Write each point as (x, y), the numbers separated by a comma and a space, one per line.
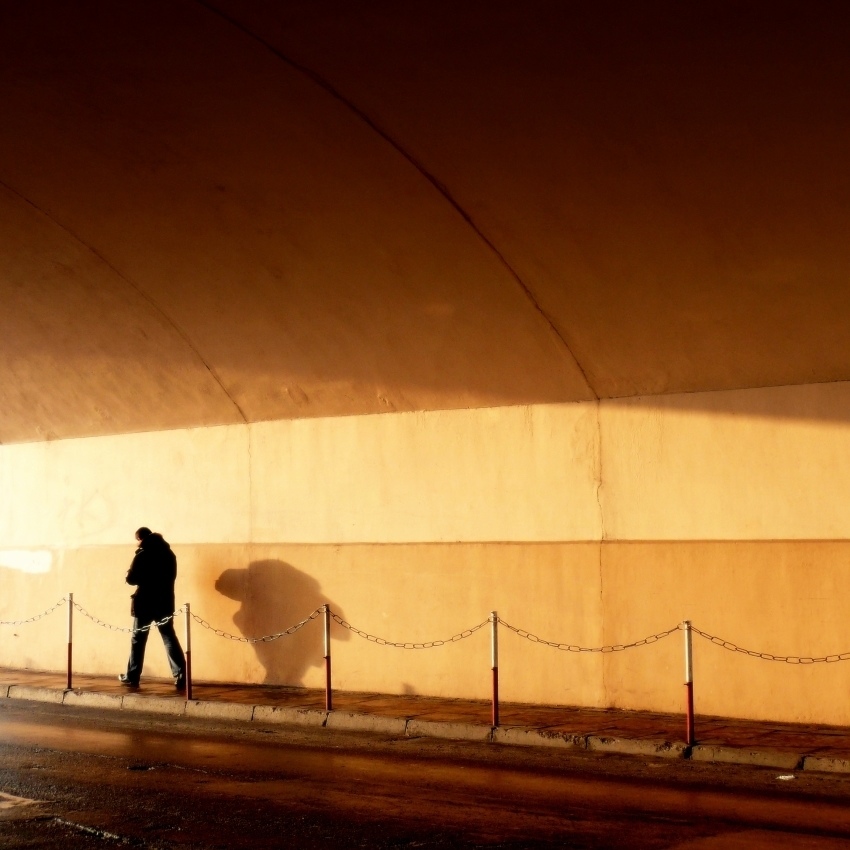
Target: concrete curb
(93, 700)
(741, 755)
(521, 736)
(351, 721)
(456, 731)
(289, 716)
(36, 694)
(826, 764)
(219, 710)
(636, 747)
(155, 705)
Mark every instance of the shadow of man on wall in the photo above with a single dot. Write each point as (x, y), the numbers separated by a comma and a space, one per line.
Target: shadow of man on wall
(275, 596)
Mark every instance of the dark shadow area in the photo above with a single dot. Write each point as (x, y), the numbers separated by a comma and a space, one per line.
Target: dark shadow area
(275, 596)
(650, 219)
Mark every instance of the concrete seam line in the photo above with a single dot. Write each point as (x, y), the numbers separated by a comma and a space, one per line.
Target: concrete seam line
(418, 165)
(167, 318)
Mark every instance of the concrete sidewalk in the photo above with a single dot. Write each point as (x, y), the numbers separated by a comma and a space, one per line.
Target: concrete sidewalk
(782, 746)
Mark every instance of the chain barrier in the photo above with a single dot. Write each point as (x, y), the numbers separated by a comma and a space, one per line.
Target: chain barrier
(50, 610)
(424, 645)
(127, 629)
(265, 638)
(619, 647)
(569, 647)
(768, 656)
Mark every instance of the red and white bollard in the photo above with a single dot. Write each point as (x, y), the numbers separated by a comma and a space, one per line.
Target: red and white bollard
(188, 651)
(494, 664)
(70, 636)
(689, 685)
(328, 692)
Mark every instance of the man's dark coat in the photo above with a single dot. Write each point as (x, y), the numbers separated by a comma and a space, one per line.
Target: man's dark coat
(153, 570)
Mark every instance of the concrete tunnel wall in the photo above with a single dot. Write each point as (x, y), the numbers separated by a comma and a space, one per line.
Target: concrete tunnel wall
(425, 311)
(589, 523)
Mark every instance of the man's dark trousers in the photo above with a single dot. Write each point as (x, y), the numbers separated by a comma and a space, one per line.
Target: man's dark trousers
(139, 641)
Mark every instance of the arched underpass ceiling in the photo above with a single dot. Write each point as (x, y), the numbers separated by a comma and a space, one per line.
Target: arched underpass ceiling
(249, 210)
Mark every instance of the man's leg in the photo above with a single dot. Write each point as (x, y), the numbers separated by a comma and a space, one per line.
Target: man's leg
(138, 642)
(176, 658)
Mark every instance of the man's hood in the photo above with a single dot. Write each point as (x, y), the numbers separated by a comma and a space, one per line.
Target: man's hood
(154, 541)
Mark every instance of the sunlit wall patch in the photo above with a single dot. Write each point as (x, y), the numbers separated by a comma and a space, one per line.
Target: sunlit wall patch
(27, 560)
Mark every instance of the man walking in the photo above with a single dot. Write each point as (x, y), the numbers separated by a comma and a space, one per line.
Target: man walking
(153, 571)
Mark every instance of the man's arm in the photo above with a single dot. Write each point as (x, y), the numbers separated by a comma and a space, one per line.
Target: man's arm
(135, 572)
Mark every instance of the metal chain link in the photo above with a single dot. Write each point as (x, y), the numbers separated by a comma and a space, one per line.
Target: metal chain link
(425, 645)
(768, 656)
(619, 647)
(569, 647)
(50, 610)
(128, 629)
(265, 638)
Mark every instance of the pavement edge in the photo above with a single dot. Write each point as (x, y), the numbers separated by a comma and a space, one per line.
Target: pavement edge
(413, 727)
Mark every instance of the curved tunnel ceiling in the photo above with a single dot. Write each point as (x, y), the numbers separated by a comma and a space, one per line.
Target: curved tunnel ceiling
(249, 210)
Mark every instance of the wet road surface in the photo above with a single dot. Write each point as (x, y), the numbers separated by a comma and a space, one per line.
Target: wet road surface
(96, 779)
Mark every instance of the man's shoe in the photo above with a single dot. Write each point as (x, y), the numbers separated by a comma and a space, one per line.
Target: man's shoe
(180, 683)
(128, 683)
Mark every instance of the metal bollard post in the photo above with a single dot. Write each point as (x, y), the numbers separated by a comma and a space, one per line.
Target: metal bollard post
(494, 664)
(188, 652)
(70, 637)
(328, 691)
(689, 685)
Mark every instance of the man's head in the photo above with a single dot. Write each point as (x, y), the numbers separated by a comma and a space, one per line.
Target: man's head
(142, 533)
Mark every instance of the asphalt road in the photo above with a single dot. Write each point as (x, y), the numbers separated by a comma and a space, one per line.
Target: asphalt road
(83, 778)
